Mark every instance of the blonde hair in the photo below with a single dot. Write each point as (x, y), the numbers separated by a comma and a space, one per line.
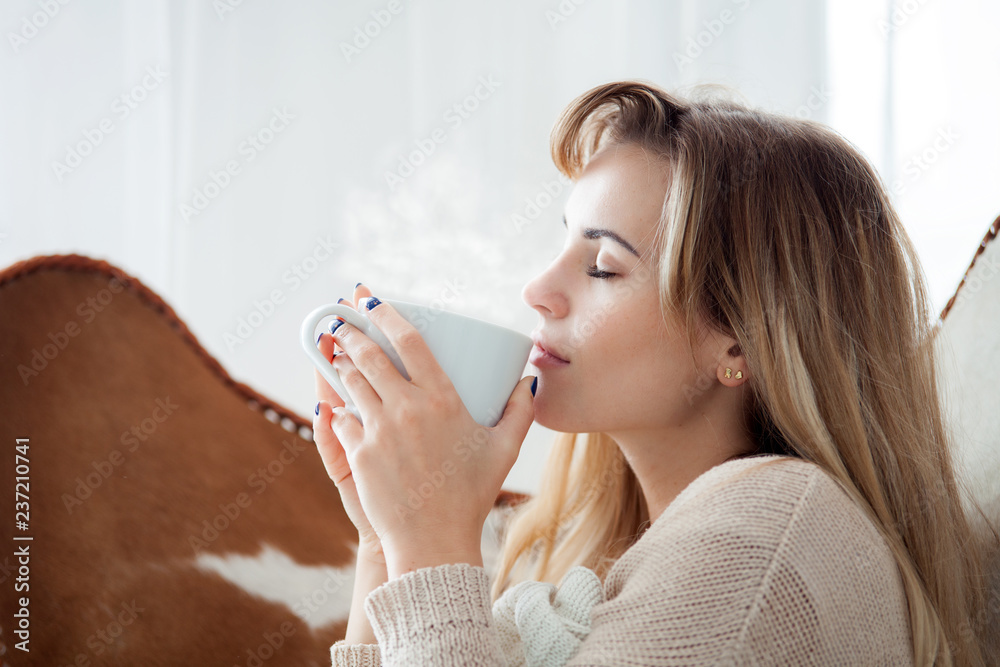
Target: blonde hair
(783, 235)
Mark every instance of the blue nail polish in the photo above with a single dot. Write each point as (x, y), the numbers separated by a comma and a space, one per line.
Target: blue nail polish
(317, 408)
(357, 286)
(319, 337)
(341, 300)
(534, 385)
(336, 323)
(372, 302)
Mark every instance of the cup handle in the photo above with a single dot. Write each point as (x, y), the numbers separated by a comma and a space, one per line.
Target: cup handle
(326, 369)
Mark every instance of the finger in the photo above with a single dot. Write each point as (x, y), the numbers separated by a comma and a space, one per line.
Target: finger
(518, 415)
(371, 361)
(324, 392)
(342, 302)
(417, 358)
(361, 292)
(362, 394)
(328, 445)
(347, 429)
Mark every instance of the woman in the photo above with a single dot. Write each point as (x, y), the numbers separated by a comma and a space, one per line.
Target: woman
(735, 346)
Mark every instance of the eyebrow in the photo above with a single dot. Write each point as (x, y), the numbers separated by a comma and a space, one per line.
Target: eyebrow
(594, 233)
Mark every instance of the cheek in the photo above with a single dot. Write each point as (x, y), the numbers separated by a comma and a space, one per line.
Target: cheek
(632, 360)
(653, 365)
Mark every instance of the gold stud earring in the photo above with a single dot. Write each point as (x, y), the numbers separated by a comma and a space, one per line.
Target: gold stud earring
(739, 374)
(729, 372)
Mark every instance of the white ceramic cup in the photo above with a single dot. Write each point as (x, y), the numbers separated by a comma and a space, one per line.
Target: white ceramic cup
(484, 361)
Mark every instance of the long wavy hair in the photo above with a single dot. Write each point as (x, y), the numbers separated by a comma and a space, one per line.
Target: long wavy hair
(780, 232)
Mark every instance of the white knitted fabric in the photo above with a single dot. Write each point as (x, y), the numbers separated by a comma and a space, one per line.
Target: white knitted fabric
(541, 625)
(762, 561)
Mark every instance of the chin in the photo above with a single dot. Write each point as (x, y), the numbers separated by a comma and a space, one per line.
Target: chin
(544, 415)
(554, 418)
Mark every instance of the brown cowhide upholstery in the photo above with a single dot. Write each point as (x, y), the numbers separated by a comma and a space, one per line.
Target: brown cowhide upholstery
(177, 516)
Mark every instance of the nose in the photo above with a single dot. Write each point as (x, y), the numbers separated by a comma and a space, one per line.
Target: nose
(543, 293)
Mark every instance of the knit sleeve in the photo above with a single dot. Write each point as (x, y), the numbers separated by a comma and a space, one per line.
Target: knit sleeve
(436, 616)
(355, 655)
(534, 623)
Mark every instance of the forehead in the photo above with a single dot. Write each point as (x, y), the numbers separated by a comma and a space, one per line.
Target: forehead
(622, 188)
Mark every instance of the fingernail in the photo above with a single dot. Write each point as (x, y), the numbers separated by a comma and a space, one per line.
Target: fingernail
(317, 408)
(333, 325)
(341, 300)
(319, 338)
(534, 385)
(372, 302)
(357, 286)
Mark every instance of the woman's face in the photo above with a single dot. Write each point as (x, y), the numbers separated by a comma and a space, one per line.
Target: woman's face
(626, 371)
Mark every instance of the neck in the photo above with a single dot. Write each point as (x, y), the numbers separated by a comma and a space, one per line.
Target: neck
(666, 460)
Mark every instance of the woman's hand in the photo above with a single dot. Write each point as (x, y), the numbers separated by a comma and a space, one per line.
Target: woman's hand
(426, 474)
(332, 453)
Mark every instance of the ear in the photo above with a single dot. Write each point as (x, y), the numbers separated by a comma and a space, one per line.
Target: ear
(732, 367)
(729, 359)
(719, 350)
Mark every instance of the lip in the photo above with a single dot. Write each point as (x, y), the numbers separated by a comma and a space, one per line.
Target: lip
(540, 356)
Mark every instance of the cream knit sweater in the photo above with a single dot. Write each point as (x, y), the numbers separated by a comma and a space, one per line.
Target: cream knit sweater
(762, 560)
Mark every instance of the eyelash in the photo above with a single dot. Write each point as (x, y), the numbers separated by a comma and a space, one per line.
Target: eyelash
(594, 272)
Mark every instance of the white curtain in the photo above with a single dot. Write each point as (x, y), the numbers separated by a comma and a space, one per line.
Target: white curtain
(251, 160)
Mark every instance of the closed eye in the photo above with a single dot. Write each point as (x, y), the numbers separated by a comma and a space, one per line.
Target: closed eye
(594, 272)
